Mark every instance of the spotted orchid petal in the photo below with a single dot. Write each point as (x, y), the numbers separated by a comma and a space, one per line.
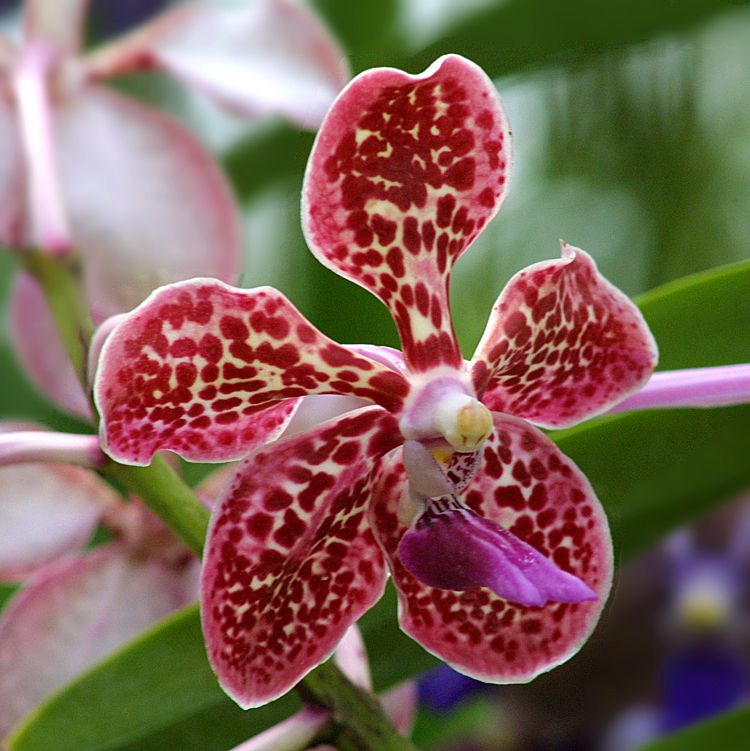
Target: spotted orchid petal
(46, 512)
(275, 57)
(562, 344)
(167, 212)
(38, 347)
(405, 172)
(299, 730)
(291, 562)
(527, 487)
(59, 23)
(195, 368)
(74, 613)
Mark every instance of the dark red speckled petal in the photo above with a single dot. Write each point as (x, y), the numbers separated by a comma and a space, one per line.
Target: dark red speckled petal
(405, 172)
(562, 344)
(194, 368)
(531, 489)
(291, 562)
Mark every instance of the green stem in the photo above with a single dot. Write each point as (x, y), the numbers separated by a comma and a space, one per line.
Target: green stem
(359, 721)
(165, 493)
(59, 278)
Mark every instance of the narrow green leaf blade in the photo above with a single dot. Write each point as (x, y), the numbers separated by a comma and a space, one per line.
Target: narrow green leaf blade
(156, 693)
(728, 732)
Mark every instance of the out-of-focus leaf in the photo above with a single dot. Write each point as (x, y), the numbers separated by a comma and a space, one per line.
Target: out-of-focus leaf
(702, 319)
(652, 471)
(155, 694)
(516, 35)
(728, 732)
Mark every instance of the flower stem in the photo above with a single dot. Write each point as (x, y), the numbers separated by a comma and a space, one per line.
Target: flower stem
(360, 720)
(165, 493)
(59, 278)
(694, 387)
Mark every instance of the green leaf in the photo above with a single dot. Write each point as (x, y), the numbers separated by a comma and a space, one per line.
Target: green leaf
(728, 732)
(652, 470)
(155, 694)
(516, 35)
(702, 319)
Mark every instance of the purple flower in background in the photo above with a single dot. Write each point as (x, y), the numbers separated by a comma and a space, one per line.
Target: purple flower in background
(442, 688)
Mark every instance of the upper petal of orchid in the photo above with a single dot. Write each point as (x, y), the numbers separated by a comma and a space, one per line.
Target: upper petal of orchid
(59, 23)
(562, 344)
(405, 172)
(37, 345)
(145, 202)
(527, 487)
(191, 367)
(290, 561)
(274, 57)
(45, 512)
(74, 613)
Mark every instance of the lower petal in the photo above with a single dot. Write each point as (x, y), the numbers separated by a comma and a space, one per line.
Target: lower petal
(291, 562)
(528, 487)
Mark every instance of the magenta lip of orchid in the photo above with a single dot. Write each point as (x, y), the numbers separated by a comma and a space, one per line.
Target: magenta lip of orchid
(495, 541)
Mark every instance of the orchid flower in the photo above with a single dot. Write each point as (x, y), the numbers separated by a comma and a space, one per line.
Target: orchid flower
(75, 605)
(128, 186)
(495, 541)
(298, 731)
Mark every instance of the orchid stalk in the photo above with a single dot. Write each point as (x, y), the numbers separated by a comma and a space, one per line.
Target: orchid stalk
(718, 386)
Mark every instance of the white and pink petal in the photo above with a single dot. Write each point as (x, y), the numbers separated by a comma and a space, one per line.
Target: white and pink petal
(40, 351)
(59, 23)
(73, 614)
(197, 367)
(274, 57)
(144, 200)
(562, 344)
(405, 172)
(291, 562)
(46, 512)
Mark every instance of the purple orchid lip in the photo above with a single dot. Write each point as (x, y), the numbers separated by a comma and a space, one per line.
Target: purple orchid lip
(457, 549)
